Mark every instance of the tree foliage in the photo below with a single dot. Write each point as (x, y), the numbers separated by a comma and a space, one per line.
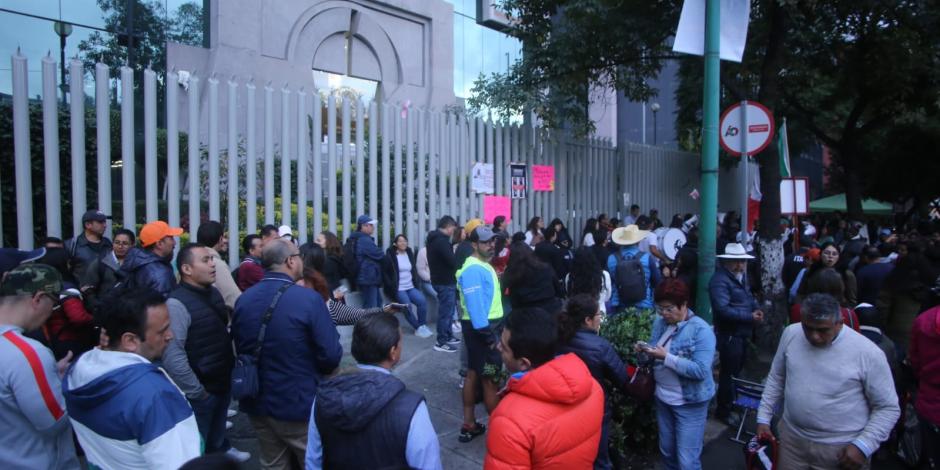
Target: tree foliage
(569, 45)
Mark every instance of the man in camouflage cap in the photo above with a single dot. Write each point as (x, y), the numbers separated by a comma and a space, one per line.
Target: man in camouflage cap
(41, 436)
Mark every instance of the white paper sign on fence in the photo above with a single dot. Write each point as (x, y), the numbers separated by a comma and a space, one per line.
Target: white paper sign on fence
(794, 196)
(690, 35)
(483, 180)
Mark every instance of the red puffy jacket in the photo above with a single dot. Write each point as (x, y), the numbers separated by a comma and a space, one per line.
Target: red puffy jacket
(549, 418)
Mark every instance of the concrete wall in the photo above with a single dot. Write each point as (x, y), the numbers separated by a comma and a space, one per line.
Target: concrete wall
(405, 45)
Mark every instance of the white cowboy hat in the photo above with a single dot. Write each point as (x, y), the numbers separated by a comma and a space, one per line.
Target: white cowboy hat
(629, 235)
(735, 251)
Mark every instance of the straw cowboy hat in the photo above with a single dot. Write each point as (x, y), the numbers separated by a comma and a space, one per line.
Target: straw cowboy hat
(735, 251)
(629, 235)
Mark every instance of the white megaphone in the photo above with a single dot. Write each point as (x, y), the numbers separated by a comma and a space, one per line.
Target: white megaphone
(689, 224)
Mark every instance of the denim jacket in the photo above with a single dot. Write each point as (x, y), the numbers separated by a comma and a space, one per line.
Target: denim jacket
(691, 354)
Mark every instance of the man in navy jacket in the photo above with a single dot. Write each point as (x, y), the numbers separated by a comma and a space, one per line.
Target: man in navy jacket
(736, 312)
(369, 257)
(300, 347)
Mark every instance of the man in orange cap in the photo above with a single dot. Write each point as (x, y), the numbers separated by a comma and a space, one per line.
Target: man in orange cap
(149, 266)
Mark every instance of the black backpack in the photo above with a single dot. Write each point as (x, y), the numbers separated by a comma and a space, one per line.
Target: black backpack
(631, 280)
(350, 263)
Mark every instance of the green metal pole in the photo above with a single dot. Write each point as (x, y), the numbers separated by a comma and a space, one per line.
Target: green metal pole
(709, 178)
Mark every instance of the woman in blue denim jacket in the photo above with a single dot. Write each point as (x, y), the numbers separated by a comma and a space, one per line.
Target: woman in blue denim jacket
(683, 347)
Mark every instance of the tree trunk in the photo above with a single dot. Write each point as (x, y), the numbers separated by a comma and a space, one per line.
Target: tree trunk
(853, 185)
(770, 243)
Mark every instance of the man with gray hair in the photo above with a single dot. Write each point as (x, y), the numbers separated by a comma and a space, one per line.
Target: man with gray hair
(839, 402)
(298, 348)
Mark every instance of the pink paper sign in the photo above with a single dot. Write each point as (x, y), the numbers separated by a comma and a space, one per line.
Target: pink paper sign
(494, 206)
(543, 178)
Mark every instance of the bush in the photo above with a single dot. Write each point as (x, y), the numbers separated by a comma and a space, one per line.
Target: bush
(633, 427)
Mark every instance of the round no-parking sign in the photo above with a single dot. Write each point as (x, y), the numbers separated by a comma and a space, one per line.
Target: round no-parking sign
(746, 129)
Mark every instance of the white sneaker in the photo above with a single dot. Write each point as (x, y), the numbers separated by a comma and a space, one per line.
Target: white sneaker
(457, 327)
(228, 425)
(423, 332)
(232, 412)
(238, 455)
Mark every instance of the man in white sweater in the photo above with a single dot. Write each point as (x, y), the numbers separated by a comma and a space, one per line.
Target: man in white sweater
(839, 402)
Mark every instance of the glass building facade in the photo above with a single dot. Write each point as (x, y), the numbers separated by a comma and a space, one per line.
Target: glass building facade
(478, 49)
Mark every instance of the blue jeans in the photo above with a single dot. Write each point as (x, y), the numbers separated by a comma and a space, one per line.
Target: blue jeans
(414, 296)
(446, 303)
(428, 290)
(371, 296)
(211, 414)
(681, 431)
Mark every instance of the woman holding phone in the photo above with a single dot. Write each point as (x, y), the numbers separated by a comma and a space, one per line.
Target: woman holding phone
(399, 276)
(683, 348)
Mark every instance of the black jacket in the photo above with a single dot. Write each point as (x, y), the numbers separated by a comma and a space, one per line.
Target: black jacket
(82, 253)
(390, 274)
(143, 269)
(103, 273)
(363, 418)
(552, 256)
(334, 272)
(601, 359)
(208, 344)
(441, 259)
(540, 289)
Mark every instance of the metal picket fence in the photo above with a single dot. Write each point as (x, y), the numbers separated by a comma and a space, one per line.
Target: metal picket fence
(406, 167)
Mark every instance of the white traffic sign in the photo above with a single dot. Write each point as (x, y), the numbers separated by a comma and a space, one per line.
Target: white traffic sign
(746, 129)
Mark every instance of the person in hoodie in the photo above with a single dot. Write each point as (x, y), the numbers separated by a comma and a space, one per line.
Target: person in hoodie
(551, 411)
(366, 418)
(36, 432)
(199, 358)
(369, 257)
(579, 325)
(104, 273)
(126, 412)
(150, 267)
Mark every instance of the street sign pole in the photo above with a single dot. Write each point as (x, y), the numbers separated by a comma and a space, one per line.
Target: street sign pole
(709, 172)
(747, 169)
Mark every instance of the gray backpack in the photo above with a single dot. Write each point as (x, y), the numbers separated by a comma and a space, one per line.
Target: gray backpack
(631, 279)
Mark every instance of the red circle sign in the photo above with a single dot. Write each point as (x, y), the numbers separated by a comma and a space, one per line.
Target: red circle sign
(760, 128)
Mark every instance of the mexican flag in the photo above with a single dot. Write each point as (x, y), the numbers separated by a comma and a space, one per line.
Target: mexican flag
(783, 148)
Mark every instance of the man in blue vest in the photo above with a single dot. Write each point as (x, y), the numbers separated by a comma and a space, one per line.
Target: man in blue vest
(481, 310)
(366, 418)
(199, 358)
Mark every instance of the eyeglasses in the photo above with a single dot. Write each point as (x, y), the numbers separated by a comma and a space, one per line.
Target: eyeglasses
(671, 308)
(291, 256)
(53, 298)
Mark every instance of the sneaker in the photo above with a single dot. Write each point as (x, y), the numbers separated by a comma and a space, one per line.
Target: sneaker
(228, 425)
(445, 348)
(237, 455)
(456, 326)
(423, 332)
(453, 340)
(467, 434)
(460, 382)
(232, 412)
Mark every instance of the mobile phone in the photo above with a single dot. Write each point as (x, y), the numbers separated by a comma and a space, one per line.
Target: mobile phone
(644, 345)
(398, 306)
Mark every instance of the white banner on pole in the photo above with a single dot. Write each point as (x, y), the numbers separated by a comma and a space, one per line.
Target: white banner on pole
(690, 35)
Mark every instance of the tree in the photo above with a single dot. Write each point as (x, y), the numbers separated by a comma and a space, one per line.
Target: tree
(570, 46)
(866, 66)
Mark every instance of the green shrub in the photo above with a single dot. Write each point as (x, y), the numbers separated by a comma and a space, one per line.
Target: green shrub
(633, 428)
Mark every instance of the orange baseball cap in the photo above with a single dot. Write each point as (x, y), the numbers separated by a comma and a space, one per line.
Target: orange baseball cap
(155, 231)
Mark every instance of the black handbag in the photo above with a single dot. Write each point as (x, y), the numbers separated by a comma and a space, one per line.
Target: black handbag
(245, 383)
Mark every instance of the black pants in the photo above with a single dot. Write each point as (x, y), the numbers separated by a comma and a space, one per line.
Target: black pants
(732, 351)
(931, 443)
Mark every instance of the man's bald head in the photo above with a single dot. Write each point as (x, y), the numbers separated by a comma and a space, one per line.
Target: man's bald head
(280, 255)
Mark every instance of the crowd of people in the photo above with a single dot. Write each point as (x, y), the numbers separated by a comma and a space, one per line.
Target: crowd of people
(139, 347)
